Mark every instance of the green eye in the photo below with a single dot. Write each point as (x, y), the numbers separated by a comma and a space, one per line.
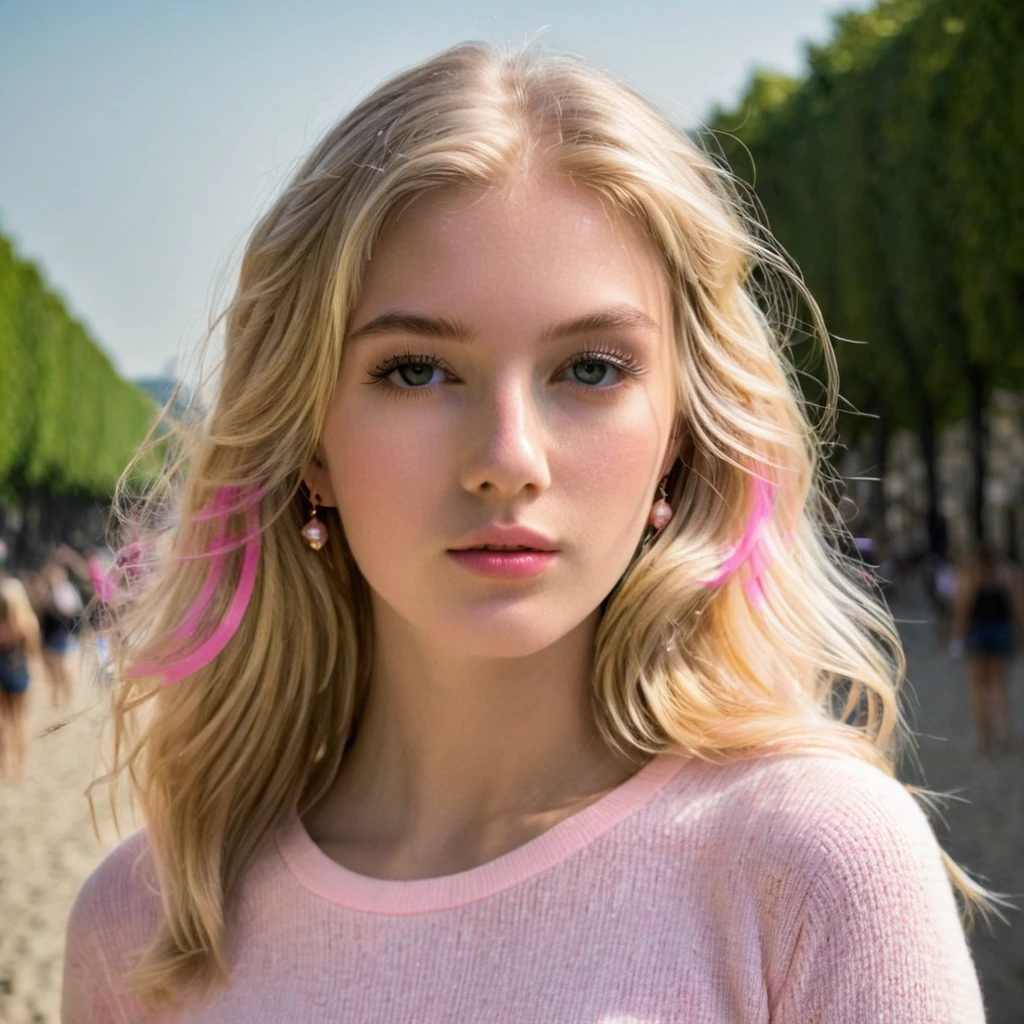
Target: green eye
(593, 370)
(416, 373)
(415, 370)
(589, 370)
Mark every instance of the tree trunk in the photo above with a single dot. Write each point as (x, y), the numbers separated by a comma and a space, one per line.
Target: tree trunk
(930, 454)
(978, 381)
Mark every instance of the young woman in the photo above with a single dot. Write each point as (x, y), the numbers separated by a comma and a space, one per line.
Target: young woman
(17, 639)
(495, 664)
(59, 606)
(989, 602)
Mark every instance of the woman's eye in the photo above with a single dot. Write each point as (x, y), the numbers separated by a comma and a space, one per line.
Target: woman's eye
(592, 372)
(589, 371)
(415, 374)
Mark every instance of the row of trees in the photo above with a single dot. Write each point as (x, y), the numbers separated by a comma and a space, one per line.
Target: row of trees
(68, 422)
(891, 174)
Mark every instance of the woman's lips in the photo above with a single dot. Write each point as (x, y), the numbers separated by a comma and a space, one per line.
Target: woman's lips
(514, 565)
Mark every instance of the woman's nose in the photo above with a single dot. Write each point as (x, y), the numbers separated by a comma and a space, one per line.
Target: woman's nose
(506, 439)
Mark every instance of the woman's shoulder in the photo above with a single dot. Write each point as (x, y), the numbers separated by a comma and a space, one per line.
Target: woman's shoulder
(113, 918)
(846, 856)
(828, 868)
(817, 781)
(798, 784)
(811, 814)
(124, 871)
(118, 904)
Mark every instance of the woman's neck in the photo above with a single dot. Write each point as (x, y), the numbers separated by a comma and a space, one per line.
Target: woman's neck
(459, 760)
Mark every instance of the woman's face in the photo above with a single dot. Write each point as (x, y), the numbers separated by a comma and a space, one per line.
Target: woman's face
(498, 413)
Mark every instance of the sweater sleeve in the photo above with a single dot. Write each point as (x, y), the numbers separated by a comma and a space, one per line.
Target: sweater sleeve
(110, 921)
(879, 936)
(86, 985)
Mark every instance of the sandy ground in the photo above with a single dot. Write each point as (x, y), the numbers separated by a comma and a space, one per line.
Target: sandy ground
(47, 846)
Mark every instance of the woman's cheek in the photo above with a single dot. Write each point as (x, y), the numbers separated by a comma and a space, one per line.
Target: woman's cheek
(384, 478)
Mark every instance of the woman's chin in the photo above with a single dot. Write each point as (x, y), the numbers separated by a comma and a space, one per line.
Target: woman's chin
(505, 633)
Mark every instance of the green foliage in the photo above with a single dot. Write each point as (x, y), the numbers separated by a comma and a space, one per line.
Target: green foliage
(68, 423)
(13, 366)
(892, 175)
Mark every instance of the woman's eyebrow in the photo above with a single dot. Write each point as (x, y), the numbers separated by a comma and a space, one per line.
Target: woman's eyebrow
(399, 322)
(614, 316)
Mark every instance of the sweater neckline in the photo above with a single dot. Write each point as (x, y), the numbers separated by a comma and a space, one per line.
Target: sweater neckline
(328, 879)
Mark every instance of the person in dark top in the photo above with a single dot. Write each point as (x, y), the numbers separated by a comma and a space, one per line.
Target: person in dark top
(59, 606)
(989, 601)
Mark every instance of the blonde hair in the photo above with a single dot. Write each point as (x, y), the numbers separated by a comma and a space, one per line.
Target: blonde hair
(20, 613)
(217, 760)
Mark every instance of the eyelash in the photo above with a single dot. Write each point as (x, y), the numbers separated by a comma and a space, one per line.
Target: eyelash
(619, 360)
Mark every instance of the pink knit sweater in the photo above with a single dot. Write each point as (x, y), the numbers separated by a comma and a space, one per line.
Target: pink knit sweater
(796, 889)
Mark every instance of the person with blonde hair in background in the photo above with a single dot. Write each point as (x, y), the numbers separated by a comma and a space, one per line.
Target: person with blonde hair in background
(19, 651)
(485, 655)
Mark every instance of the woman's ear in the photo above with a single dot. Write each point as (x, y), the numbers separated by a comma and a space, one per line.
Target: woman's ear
(318, 481)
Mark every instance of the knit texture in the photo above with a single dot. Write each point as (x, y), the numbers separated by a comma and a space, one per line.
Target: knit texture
(797, 889)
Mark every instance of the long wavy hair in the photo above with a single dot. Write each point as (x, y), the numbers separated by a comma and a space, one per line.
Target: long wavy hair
(807, 659)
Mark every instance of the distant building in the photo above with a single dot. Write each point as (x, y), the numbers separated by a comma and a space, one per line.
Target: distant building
(161, 388)
(158, 388)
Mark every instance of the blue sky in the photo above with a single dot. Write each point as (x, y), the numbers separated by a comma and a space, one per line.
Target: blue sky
(139, 141)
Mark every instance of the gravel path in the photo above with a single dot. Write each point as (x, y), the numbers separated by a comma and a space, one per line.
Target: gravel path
(47, 846)
(984, 828)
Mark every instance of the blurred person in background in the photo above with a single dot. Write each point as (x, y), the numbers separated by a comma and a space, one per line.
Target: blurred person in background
(988, 601)
(92, 571)
(18, 637)
(17, 597)
(88, 568)
(59, 605)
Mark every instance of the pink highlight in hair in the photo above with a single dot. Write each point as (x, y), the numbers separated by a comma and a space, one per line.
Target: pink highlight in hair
(754, 585)
(107, 580)
(750, 550)
(104, 582)
(220, 508)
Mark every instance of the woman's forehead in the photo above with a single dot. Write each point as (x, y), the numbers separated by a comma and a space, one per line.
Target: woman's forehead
(536, 252)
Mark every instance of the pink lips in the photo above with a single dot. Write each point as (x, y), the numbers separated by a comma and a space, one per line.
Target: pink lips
(512, 565)
(539, 553)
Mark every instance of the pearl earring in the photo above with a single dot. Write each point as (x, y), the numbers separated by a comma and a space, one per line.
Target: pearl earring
(661, 510)
(314, 533)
